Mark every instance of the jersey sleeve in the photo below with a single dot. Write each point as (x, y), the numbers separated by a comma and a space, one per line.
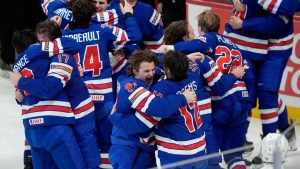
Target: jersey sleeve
(280, 7)
(128, 123)
(155, 28)
(149, 109)
(58, 76)
(144, 119)
(61, 45)
(119, 37)
(216, 80)
(146, 102)
(192, 46)
(262, 25)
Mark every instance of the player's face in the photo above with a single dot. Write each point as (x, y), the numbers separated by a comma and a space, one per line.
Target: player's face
(191, 35)
(146, 72)
(101, 5)
(200, 31)
(42, 37)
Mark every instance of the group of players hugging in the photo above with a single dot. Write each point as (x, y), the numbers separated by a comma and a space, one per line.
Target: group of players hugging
(102, 84)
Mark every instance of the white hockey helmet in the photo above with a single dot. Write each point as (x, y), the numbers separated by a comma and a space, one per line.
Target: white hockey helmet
(274, 143)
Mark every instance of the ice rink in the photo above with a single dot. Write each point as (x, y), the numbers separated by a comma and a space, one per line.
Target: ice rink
(12, 137)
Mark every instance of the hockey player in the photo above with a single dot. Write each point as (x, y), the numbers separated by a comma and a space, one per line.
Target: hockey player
(94, 41)
(149, 21)
(63, 74)
(135, 99)
(47, 122)
(279, 48)
(220, 83)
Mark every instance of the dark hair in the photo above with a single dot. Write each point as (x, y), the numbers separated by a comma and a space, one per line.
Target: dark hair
(175, 32)
(208, 21)
(83, 10)
(138, 57)
(178, 64)
(49, 28)
(22, 39)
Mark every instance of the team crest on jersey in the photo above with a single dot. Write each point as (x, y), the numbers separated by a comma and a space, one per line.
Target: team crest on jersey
(36, 121)
(130, 87)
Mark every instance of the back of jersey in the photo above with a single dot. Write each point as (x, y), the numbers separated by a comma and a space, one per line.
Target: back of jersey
(227, 57)
(93, 58)
(37, 111)
(182, 133)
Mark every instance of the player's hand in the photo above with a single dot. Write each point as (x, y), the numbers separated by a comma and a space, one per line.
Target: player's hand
(15, 77)
(190, 95)
(165, 48)
(238, 5)
(126, 7)
(56, 19)
(235, 22)
(80, 69)
(114, 108)
(19, 95)
(238, 72)
(195, 56)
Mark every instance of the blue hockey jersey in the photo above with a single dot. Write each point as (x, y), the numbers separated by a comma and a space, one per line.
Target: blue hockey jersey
(227, 56)
(182, 134)
(280, 7)
(135, 99)
(93, 55)
(58, 8)
(255, 37)
(37, 111)
(63, 75)
(148, 19)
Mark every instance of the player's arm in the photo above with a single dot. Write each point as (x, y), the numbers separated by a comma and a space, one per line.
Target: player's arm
(144, 101)
(284, 7)
(147, 115)
(216, 80)
(129, 123)
(261, 25)
(187, 47)
(155, 35)
(120, 37)
(60, 45)
(149, 109)
(58, 76)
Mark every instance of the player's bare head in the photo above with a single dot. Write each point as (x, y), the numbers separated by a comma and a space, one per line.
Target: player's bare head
(83, 10)
(142, 65)
(22, 39)
(208, 21)
(178, 31)
(176, 65)
(47, 31)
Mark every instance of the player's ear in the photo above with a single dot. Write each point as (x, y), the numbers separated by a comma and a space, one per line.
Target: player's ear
(135, 72)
